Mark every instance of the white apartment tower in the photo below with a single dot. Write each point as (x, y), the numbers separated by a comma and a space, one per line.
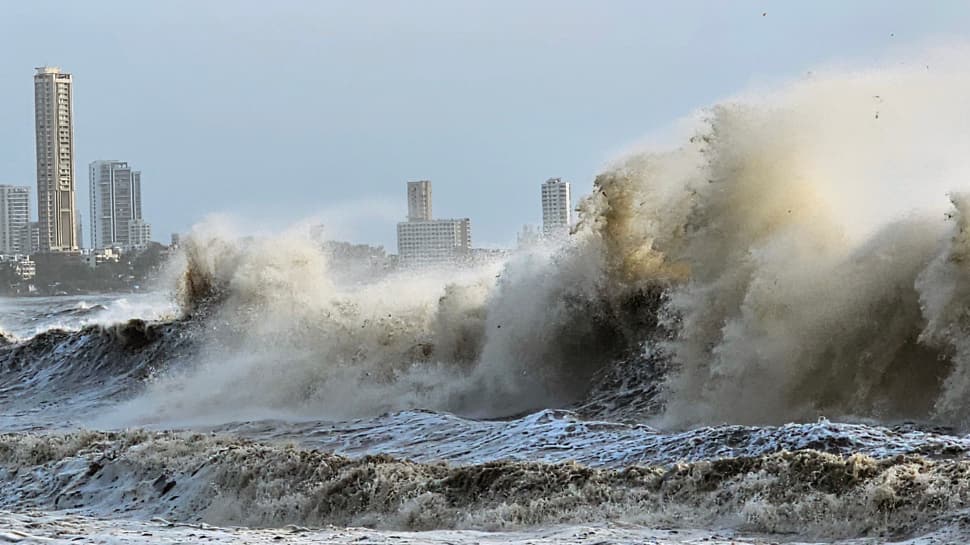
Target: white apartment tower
(53, 116)
(423, 240)
(14, 216)
(556, 207)
(419, 200)
(116, 218)
(139, 234)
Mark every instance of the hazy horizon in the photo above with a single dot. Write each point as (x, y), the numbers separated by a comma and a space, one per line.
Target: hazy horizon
(272, 114)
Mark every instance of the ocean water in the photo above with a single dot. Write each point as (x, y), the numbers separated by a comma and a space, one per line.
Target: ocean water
(757, 334)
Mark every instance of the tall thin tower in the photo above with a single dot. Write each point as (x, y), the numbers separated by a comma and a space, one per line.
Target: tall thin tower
(53, 114)
(556, 209)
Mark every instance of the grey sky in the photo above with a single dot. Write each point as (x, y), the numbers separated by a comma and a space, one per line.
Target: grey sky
(276, 111)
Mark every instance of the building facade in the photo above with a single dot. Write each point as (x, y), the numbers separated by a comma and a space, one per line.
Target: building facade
(433, 241)
(115, 193)
(54, 126)
(422, 239)
(30, 238)
(23, 266)
(419, 200)
(14, 216)
(93, 258)
(139, 234)
(556, 208)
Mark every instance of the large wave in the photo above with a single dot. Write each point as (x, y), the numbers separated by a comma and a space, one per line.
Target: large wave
(796, 256)
(283, 338)
(817, 273)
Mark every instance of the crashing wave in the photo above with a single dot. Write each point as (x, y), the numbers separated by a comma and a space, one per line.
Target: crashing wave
(784, 263)
(58, 376)
(769, 263)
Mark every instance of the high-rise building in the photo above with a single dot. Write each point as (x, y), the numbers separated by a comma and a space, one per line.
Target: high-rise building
(115, 205)
(422, 239)
(139, 234)
(419, 200)
(30, 238)
(556, 208)
(433, 241)
(53, 116)
(14, 215)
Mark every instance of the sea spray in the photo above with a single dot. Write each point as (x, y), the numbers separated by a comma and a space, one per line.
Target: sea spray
(794, 226)
(795, 257)
(789, 260)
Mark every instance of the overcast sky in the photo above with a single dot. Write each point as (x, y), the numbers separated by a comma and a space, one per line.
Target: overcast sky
(273, 112)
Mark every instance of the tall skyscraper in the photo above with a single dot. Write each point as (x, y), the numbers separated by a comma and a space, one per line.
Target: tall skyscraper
(419, 200)
(53, 115)
(556, 207)
(116, 206)
(14, 215)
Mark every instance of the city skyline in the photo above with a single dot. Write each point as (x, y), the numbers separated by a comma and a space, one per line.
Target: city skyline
(220, 118)
(114, 192)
